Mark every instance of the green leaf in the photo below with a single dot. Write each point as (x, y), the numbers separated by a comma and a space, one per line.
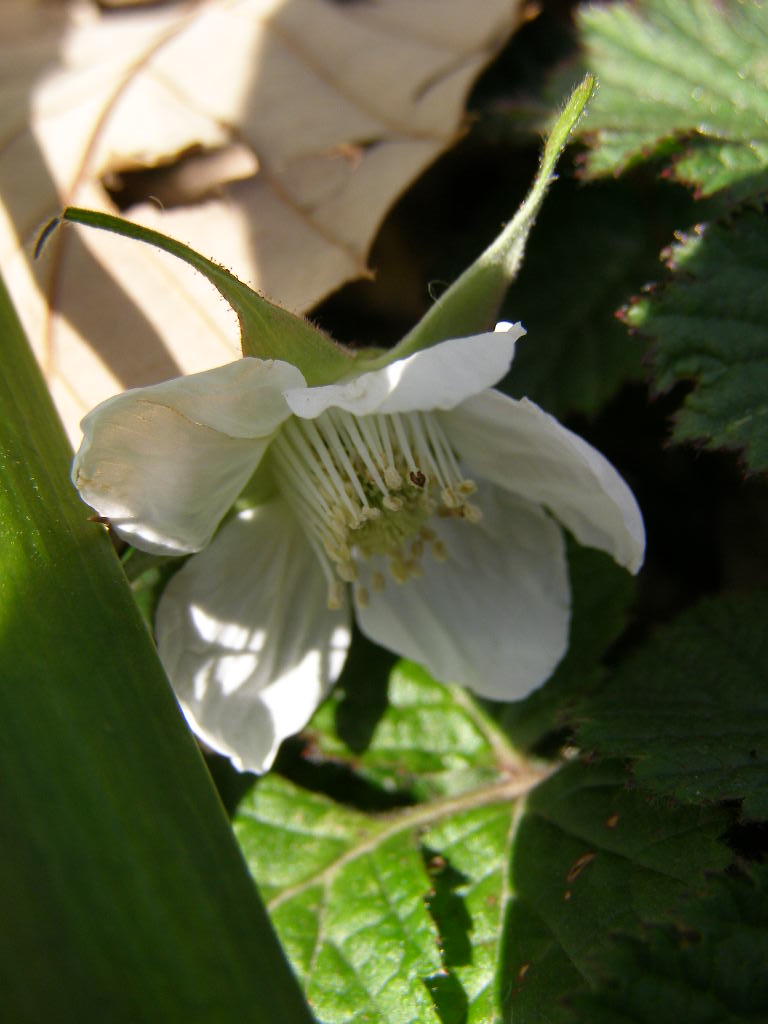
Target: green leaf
(680, 77)
(266, 331)
(430, 911)
(691, 707)
(428, 740)
(422, 886)
(125, 897)
(347, 895)
(706, 967)
(591, 857)
(472, 302)
(349, 909)
(710, 325)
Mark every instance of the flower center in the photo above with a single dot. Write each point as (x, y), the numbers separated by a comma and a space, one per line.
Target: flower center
(367, 486)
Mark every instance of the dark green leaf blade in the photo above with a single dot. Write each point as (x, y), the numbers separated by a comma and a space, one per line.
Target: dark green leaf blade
(691, 707)
(592, 857)
(709, 325)
(672, 71)
(705, 967)
(125, 895)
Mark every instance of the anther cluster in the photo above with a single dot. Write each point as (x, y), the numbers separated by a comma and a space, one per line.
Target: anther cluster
(367, 486)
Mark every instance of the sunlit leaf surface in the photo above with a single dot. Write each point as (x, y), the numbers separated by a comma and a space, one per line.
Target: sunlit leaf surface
(482, 904)
(687, 77)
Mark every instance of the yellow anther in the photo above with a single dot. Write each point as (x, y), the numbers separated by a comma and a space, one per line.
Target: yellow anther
(362, 596)
(337, 551)
(438, 551)
(392, 478)
(378, 581)
(389, 501)
(347, 571)
(448, 498)
(472, 513)
(398, 570)
(335, 594)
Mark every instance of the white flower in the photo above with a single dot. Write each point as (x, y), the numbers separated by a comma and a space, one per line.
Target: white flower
(371, 487)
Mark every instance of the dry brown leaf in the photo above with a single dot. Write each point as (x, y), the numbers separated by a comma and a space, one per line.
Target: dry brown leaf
(275, 134)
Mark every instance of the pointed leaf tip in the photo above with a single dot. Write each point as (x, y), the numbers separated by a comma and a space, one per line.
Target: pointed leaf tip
(472, 302)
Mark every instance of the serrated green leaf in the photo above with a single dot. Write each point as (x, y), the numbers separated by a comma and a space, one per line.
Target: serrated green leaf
(469, 893)
(671, 71)
(334, 877)
(267, 331)
(691, 707)
(707, 967)
(712, 167)
(590, 858)
(125, 896)
(347, 893)
(709, 325)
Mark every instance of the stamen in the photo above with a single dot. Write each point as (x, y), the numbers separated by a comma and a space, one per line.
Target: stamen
(366, 488)
(322, 450)
(331, 435)
(350, 426)
(405, 448)
(391, 476)
(472, 513)
(443, 453)
(367, 425)
(347, 571)
(438, 551)
(422, 448)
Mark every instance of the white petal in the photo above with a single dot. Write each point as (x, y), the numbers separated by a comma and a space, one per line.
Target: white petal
(246, 637)
(164, 463)
(523, 449)
(493, 616)
(435, 378)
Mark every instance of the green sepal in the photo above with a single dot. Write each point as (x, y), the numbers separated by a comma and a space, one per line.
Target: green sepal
(472, 302)
(266, 330)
